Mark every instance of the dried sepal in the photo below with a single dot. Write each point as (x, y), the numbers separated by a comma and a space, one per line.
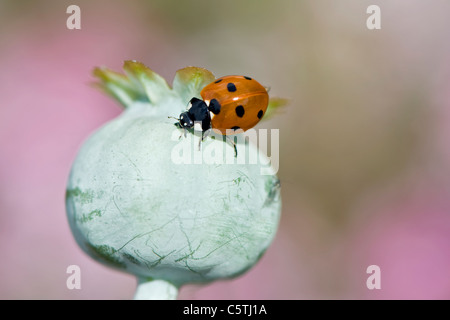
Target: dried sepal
(152, 83)
(189, 81)
(274, 107)
(118, 86)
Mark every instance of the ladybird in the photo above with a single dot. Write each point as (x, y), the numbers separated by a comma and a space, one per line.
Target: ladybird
(230, 105)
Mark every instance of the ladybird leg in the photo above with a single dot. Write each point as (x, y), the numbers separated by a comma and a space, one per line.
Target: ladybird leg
(231, 141)
(200, 142)
(184, 129)
(183, 134)
(205, 134)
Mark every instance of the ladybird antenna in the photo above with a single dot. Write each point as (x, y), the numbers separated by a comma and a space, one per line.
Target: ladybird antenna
(173, 118)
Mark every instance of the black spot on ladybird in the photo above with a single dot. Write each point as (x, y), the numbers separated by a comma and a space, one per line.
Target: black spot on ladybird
(231, 87)
(248, 78)
(240, 111)
(235, 128)
(217, 81)
(260, 114)
(214, 106)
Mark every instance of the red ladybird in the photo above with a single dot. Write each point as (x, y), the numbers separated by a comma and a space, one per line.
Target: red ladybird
(229, 104)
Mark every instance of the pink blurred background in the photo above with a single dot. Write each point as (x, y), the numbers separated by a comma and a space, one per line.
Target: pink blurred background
(365, 152)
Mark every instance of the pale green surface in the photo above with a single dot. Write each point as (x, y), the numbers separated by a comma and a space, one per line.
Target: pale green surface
(131, 207)
(156, 290)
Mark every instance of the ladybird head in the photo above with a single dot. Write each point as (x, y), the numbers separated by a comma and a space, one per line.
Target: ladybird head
(185, 120)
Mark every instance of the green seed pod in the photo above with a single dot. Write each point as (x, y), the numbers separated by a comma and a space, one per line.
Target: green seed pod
(143, 200)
